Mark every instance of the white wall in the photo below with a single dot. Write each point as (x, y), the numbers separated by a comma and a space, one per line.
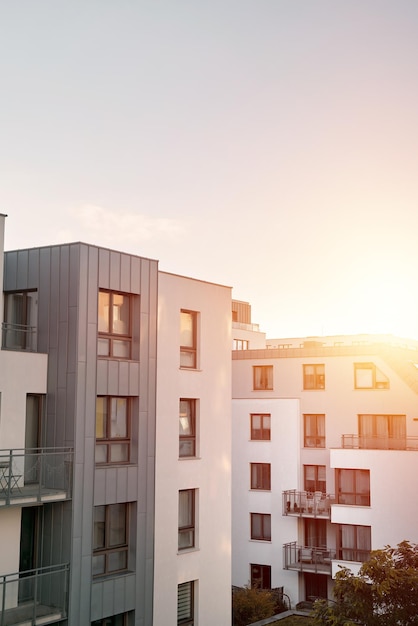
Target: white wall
(210, 474)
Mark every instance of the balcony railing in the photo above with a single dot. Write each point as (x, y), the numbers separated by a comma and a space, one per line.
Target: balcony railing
(34, 597)
(306, 504)
(35, 475)
(19, 337)
(374, 442)
(307, 558)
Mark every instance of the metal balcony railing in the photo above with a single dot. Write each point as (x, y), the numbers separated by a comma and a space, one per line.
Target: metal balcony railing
(19, 337)
(37, 596)
(375, 442)
(35, 475)
(307, 504)
(307, 558)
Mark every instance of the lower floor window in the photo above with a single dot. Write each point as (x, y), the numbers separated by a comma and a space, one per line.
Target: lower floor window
(354, 542)
(114, 620)
(185, 604)
(110, 540)
(260, 576)
(261, 526)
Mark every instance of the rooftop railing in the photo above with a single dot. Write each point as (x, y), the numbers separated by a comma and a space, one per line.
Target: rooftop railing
(307, 504)
(35, 475)
(33, 597)
(19, 337)
(375, 442)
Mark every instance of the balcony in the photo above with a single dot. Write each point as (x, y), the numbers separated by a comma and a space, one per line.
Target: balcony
(306, 504)
(34, 476)
(307, 558)
(374, 442)
(19, 337)
(34, 597)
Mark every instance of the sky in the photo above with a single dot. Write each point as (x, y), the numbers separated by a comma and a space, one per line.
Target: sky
(268, 145)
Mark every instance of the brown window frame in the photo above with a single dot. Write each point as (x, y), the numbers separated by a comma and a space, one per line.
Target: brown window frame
(260, 575)
(189, 619)
(111, 336)
(260, 476)
(266, 382)
(189, 528)
(357, 554)
(109, 441)
(187, 352)
(316, 380)
(317, 438)
(355, 497)
(188, 439)
(318, 484)
(376, 374)
(109, 549)
(265, 432)
(265, 534)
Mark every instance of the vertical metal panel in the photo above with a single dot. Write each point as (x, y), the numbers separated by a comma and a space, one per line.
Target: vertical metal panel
(33, 269)
(114, 282)
(54, 301)
(125, 273)
(104, 269)
(93, 290)
(111, 493)
(121, 484)
(64, 286)
(22, 268)
(123, 379)
(135, 275)
(10, 271)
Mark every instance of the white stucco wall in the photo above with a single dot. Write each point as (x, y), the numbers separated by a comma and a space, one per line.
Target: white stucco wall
(210, 473)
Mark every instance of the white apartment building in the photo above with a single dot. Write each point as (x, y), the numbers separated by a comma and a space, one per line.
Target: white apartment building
(325, 452)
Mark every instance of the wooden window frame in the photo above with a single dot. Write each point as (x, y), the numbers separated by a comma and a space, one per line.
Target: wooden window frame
(189, 352)
(109, 441)
(111, 336)
(376, 374)
(265, 432)
(188, 439)
(319, 439)
(354, 498)
(317, 481)
(264, 535)
(108, 549)
(186, 529)
(260, 476)
(316, 380)
(264, 384)
(265, 574)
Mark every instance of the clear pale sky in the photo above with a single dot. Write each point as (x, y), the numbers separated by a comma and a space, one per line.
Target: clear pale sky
(270, 145)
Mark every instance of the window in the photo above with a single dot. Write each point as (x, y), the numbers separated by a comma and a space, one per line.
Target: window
(114, 325)
(314, 431)
(187, 427)
(20, 320)
(112, 429)
(261, 526)
(240, 344)
(382, 432)
(314, 376)
(260, 476)
(110, 539)
(187, 498)
(188, 339)
(354, 542)
(263, 377)
(315, 478)
(114, 620)
(315, 533)
(260, 576)
(353, 486)
(185, 604)
(368, 376)
(260, 426)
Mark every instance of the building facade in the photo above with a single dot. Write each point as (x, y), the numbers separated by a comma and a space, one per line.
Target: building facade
(325, 446)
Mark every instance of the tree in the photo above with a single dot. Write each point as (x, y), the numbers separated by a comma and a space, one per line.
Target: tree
(384, 593)
(250, 604)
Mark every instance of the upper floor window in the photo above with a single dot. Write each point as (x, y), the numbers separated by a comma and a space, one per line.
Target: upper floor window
(187, 427)
(354, 542)
(353, 486)
(185, 604)
(20, 320)
(382, 432)
(187, 512)
(315, 479)
(263, 377)
(314, 376)
(368, 376)
(240, 344)
(260, 476)
(114, 325)
(261, 526)
(112, 429)
(314, 431)
(260, 426)
(188, 339)
(110, 539)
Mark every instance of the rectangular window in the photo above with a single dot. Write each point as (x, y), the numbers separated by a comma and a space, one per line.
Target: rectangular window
(260, 576)
(114, 325)
(112, 429)
(315, 479)
(187, 427)
(353, 486)
(314, 431)
(314, 376)
(354, 542)
(185, 604)
(188, 339)
(186, 536)
(110, 539)
(114, 620)
(261, 526)
(260, 476)
(382, 432)
(368, 376)
(315, 533)
(240, 344)
(20, 320)
(260, 426)
(263, 377)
